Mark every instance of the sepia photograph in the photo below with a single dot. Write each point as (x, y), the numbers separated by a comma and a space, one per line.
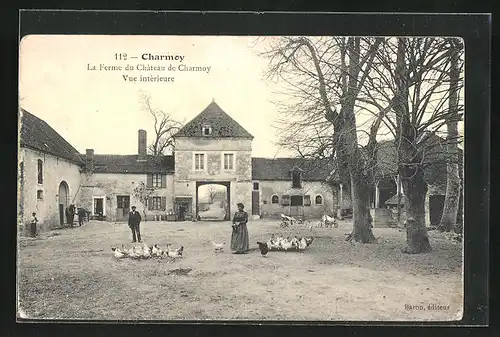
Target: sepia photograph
(262, 178)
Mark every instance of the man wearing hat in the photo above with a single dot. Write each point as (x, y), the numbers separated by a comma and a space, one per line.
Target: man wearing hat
(134, 220)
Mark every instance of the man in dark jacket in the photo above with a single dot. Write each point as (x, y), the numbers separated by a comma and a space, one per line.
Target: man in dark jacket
(81, 216)
(134, 220)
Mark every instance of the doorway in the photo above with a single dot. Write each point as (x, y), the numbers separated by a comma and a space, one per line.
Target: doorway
(255, 199)
(183, 209)
(63, 197)
(122, 206)
(99, 207)
(436, 205)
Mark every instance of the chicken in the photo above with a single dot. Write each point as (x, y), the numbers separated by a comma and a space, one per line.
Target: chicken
(156, 251)
(135, 253)
(175, 253)
(264, 249)
(302, 244)
(118, 253)
(286, 244)
(146, 252)
(218, 247)
(309, 241)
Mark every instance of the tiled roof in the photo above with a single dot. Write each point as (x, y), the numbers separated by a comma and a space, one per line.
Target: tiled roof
(222, 125)
(279, 168)
(434, 161)
(393, 201)
(37, 134)
(111, 163)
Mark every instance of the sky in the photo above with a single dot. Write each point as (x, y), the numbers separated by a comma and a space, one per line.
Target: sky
(98, 109)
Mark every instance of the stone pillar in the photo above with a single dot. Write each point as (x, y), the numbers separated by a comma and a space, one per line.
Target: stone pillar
(377, 196)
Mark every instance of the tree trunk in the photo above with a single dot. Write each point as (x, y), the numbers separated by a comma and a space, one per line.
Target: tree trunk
(410, 168)
(417, 239)
(362, 229)
(452, 198)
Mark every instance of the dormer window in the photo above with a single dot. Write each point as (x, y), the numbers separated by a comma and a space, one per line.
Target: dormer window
(206, 130)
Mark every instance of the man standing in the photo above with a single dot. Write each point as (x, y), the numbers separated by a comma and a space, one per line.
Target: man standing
(81, 216)
(134, 219)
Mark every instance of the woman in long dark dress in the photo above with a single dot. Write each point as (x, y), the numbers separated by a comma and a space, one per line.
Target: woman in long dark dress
(239, 238)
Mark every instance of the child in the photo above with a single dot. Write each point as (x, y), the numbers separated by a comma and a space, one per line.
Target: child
(34, 222)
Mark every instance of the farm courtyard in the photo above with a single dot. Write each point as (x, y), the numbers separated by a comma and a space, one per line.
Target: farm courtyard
(72, 274)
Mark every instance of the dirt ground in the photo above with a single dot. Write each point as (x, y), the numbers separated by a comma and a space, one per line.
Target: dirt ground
(72, 274)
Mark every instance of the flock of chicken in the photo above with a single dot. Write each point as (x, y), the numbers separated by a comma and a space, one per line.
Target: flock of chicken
(146, 252)
(279, 243)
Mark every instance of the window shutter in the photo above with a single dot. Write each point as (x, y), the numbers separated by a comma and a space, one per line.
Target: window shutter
(307, 200)
(285, 200)
(149, 181)
(163, 203)
(150, 203)
(163, 180)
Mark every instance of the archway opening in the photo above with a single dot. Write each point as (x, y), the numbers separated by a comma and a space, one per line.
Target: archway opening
(63, 197)
(212, 201)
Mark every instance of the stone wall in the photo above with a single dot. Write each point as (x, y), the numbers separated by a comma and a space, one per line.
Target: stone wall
(240, 177)
(111, 185)
(282, 187)
(55, 171)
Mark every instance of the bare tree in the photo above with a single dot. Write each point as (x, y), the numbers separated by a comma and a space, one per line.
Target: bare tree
(453, 180)
(322, 73)
(165, 126)
(142, 194)
(416, 81)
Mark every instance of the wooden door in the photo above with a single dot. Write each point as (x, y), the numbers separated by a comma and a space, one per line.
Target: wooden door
(255, 203)
(122, 206)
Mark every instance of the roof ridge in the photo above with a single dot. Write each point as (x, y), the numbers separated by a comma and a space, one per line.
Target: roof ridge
(74, 153)
(229, 124)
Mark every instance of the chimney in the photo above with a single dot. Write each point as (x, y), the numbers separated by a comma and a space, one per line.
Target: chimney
(89, 160)
(142, 145)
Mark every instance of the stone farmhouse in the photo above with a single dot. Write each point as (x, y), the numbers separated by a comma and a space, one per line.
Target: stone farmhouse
(210, 149)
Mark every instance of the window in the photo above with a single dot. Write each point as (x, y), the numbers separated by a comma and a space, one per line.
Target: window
(39, 195)
(285, 200)
(318, 200)
(156, 206)
(123, 201)
(307, 200)
(296, 200)
(40, 171)
(157, 203)
(228, 161)
(255, 186)
(199, 161)
(157, 180)
(296, 181)
(206, 130)
(275, 199)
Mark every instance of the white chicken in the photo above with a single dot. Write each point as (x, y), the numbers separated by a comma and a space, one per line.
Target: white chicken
(118, 253)
(286, 244)
(146, 252)
(218, 247)
(156, 251)
(175, 253)
(135, 253)
(302, 244)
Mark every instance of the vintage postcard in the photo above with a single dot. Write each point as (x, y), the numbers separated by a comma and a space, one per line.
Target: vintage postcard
(297, 178)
